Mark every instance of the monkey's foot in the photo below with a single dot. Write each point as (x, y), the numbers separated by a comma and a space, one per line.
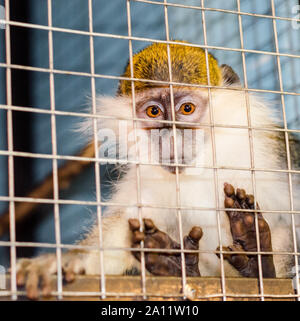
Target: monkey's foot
(165, 263)
(242, 225)
(36, 273)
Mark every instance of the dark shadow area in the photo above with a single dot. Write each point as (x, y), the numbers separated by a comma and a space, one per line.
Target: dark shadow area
(22, 121)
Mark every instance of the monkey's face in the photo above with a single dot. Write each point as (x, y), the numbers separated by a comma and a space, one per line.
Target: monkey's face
(163, 145)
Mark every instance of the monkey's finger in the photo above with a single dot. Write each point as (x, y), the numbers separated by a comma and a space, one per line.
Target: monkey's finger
(245, 201)
(239, 261)
(21, 277)
(250, 203)
(229, 203)
(250, 200)
(227, 256)
(191, 241)
(150, 227)
(32, 283)
(228, 189)
(192, 259)
(69, 273)
(241, 194)
(196, 233)
(134, 224)
(21, 271)
(46, 284)
(73, 268)
(137, 236)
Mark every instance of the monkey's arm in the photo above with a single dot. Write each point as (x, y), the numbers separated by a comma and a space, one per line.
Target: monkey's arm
(243, 232)
(244, 240)
(36, 273)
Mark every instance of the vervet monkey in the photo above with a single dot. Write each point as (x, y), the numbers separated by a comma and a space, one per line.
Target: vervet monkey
(211, 132)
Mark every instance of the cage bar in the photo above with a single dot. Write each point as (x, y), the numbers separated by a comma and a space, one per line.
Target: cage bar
(141, 286)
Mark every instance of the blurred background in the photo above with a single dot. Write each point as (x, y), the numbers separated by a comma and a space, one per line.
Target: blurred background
(29, 47)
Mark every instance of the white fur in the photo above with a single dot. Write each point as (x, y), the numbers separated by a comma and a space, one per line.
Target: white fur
(197, 189)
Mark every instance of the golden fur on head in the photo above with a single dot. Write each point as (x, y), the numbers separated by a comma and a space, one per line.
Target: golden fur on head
(188, 66)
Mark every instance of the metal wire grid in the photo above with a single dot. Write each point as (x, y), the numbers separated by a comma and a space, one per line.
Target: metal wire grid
(98, 203)
(293, 75)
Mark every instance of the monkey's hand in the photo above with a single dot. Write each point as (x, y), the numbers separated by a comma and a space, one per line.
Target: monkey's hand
(37, 272)
(165, 263)
(243, 232)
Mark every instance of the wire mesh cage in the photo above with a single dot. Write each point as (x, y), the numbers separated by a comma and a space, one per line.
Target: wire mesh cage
(59, 62)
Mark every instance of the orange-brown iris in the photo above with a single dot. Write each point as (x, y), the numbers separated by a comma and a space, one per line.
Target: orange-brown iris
(187, 108)
(153, 111)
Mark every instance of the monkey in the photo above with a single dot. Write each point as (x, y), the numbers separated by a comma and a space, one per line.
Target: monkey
(204, 172)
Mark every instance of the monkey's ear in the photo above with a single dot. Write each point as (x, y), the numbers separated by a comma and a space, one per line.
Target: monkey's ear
(230, 78)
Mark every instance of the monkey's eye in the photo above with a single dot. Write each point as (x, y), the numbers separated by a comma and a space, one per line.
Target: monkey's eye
(187, 108)
(153, 111)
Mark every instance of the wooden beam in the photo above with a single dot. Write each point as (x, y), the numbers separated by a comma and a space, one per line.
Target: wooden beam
(170, 288)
